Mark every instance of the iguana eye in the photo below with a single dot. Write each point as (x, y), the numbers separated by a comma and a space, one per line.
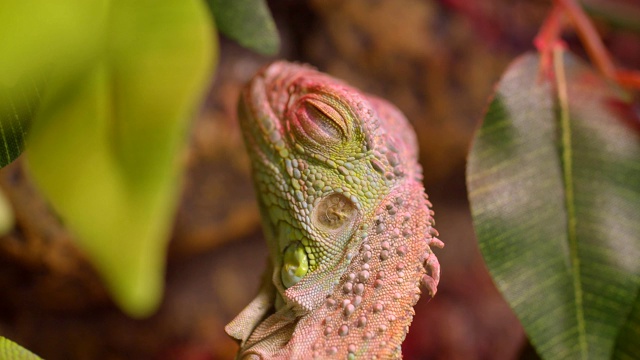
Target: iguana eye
(318, 119)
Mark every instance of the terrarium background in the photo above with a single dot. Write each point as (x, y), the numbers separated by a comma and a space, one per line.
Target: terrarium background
(436, 60)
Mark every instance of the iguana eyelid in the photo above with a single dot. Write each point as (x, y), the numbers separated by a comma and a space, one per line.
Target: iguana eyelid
(330, 112)
(317, 119)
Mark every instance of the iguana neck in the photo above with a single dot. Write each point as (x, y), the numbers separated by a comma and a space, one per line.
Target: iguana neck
(371, 306)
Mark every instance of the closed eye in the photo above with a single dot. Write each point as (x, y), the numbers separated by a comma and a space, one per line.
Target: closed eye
(318, 118)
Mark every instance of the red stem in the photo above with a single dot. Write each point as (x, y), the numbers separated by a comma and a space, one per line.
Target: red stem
(590, 38)
(547, 38)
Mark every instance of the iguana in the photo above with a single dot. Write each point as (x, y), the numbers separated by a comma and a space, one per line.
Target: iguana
(12, 351)
(346, 219)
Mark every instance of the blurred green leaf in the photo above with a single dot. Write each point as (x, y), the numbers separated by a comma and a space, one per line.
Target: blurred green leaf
(12, 351)
(16, 109)
(35, 36)
(249, 22)
(105, 146)
(554, 187)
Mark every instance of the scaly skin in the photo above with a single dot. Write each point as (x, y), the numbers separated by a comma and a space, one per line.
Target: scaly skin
(345, 215)
(12, 351)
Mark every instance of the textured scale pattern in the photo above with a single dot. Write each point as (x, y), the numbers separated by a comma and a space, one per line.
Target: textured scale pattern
(345, 215)
(12, 351)
(372, 312)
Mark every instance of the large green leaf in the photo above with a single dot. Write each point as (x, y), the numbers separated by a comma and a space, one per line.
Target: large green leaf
(554, 185)
(35, 36)
(16, 109)
(12, 351)
(249, 22)
(105, 146)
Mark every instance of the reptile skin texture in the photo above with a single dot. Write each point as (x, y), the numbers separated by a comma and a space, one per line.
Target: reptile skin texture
(345, 215)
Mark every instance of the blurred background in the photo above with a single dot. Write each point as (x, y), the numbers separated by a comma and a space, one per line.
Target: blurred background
(436, 60)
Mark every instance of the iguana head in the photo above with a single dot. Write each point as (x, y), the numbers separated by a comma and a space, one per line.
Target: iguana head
(331, 165)
(322, 160)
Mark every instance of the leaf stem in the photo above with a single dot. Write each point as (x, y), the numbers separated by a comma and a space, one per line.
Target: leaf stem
(547, 39)
(589, 37)
(566, 141)
(549, 36)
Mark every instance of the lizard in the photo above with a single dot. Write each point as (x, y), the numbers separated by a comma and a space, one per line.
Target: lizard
(347, 222)
(9, 350)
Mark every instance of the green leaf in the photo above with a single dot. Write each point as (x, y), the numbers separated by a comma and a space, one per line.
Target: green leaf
(554, 186)
(12, 351)
(249, 22)
(16, 109)
(35, 36)
(105, 146)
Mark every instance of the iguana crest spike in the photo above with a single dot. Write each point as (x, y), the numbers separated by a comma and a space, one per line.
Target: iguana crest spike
(345, 216)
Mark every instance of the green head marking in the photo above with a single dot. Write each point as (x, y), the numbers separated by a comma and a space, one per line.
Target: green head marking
(295, 264)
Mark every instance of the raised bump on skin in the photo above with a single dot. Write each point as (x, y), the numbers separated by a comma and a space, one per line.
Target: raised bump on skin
(295, 264)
